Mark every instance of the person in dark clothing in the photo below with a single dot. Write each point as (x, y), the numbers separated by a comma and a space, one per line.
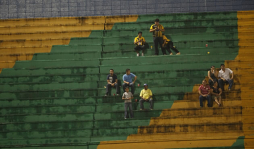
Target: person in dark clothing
(212, 75)
(157, 30)
(169, 45)
(112, 82)
(216, 93)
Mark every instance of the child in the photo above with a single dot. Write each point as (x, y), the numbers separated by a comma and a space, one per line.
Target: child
(169, 44)
(127, 96)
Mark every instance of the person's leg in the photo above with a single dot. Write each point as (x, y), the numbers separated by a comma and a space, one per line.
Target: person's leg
(219, 100)
(143, 49)
(132, 88)
(209, 101)
(210, 83)
(201, 101)
(151, 103)
(167, 47)
(155, 41)
(161, 43)
(117, 88)
(108, 89)
(137, 48)
(221, 84)
(172, 47)
(230, 82)
(125, 110)
(141, 103)
(124, 86)
(130, 109)
(216, 99)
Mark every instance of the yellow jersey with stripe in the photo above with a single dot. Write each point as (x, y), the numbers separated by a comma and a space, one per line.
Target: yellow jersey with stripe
(157, 33)
(165, 38)
(141, 42)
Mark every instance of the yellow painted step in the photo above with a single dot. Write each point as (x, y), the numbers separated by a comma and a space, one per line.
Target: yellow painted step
(7, 64)
(240, 64)
(16, 57)
(45, 35)
(26, 50)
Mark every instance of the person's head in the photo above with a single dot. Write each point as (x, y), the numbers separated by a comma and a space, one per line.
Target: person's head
(212, 68)
(111, 71)
(215, 84)
(139, 33)
(128, 71)
(204, 82)
(156, 21)
(127, 89)
(145, 86)
(222, 66)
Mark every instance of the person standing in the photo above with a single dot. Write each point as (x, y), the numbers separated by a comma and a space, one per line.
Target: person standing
(139, 41)
(212, 75)
(146, 95)
(224, 77)
(169, 44)
(204, 93)
(112, 82)
(157, 30)
(127, 80)
(127, 96)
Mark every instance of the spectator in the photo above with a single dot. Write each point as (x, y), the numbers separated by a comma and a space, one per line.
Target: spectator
(127, 80)
(212, 74)
(112, 82)
(157, 30)
(204, 92)
(216, 93)
(139, 41)
(169, 44)
(146, 95)
(224, 77)
(127, 96)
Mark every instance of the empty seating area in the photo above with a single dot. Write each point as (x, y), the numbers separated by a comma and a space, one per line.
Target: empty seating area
(54, 75)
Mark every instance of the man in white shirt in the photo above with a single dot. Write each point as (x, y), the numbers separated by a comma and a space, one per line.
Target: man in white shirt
(224, 77)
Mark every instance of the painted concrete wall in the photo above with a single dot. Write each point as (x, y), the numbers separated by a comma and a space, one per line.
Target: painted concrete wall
(65, 8)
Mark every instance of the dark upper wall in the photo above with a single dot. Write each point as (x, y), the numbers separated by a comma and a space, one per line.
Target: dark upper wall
(65, 8)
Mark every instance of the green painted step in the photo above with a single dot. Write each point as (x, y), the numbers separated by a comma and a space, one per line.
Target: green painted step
(67, 56)
(49, 94)
(171, 60)
(86, 41)
(180, 45)
(185, 23)
(75, 48)
(50, 71)
(48, 79)
(55, 63)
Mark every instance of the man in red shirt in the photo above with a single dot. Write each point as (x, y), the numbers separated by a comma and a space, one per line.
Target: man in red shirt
(204, 92)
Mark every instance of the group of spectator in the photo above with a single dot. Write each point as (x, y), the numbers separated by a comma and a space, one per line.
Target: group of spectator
(214, 89)
(128, 81)
(158, 38)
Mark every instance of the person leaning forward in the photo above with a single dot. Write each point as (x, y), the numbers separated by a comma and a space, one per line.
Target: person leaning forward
(157, 30)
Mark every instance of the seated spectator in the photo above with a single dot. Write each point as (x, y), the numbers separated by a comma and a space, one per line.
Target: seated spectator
(216, 93)
(204, 92)
(112, 82)
(224, 77)
(127, 80)
(212, 74)
(169, 44)
(146, 95)
(139, 41)
(127, 96)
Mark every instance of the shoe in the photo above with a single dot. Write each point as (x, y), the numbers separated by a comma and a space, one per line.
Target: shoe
(151, 109)
(178, 53)
(106, 95)
(137, 54)
(140, 109)
(125, 118)
(143, 54)
(171, 54)
(117, 94)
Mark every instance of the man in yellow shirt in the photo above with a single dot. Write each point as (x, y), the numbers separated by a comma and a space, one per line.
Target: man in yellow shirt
(146, 95)
(139, 41)
(169, 44)
(157, 30)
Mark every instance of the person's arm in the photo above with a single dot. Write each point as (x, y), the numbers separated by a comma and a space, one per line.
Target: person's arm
(219, 76)
(123, 98)
(209, 76)
(109, 82)
(232, 75)
(115, 81)
(162, 29)
(220, 91)
(144, 41)
(135, 78)
(211, 92)
(132, 97)
(199, 91)
(151, 29)
(135, 41)
(125, 81)
(151, 94)
(141, 94)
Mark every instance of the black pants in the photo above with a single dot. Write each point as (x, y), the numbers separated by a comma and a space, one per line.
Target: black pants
(212, 82)
(156, 41)
(108, 89)
(139, 47)
(170, 46)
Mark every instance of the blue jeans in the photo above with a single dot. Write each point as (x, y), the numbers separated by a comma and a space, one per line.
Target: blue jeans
(201, 98)
(126, 106)
(229, 81)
